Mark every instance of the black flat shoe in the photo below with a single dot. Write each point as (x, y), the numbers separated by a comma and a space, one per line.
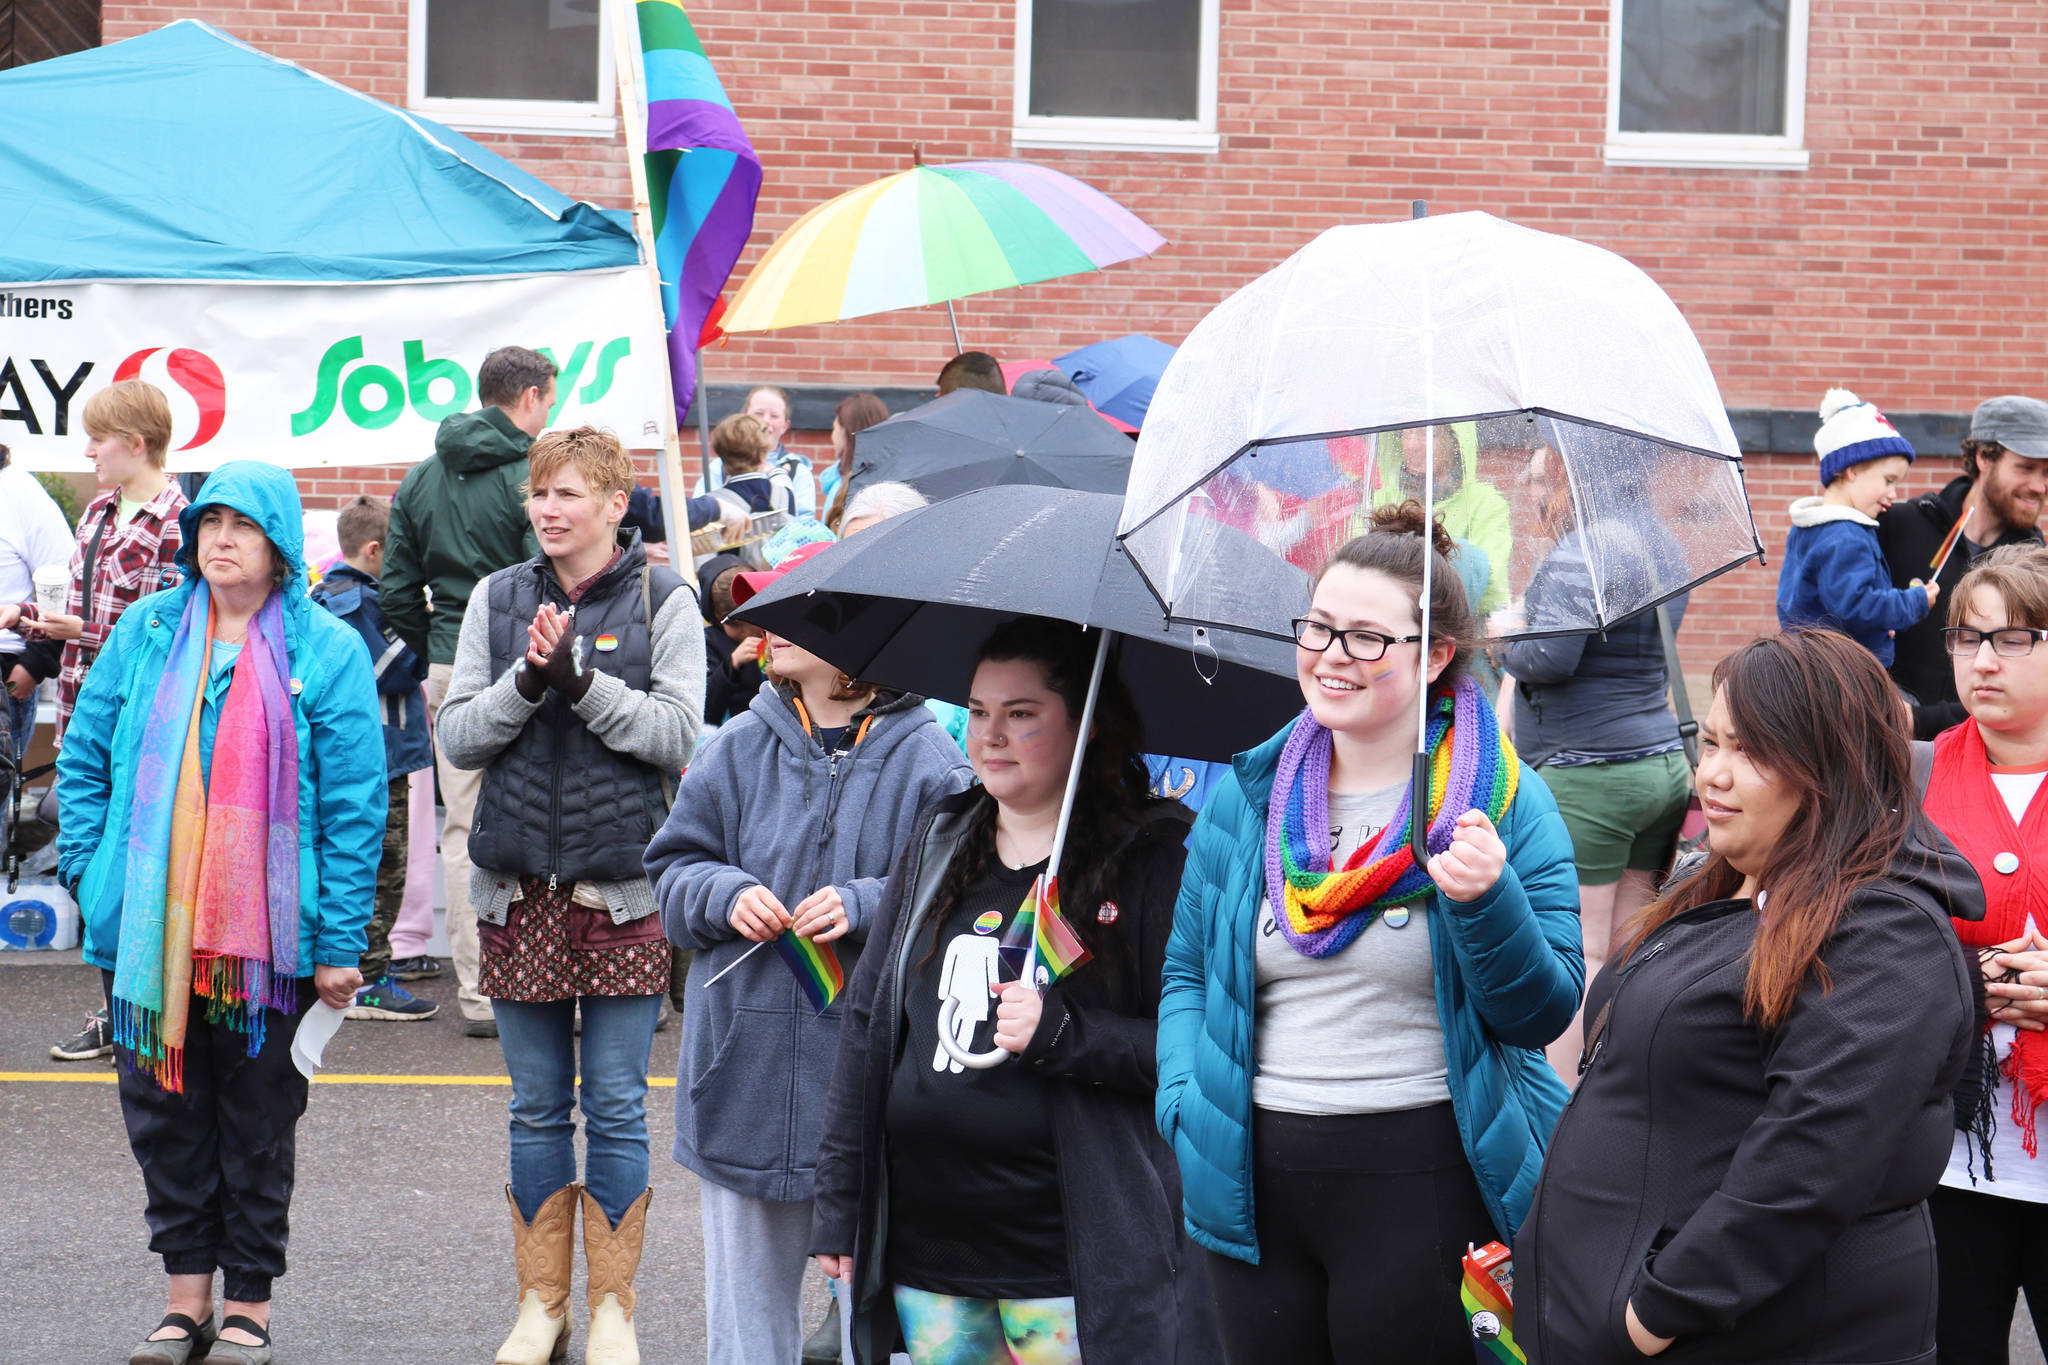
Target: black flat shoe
(175, 1350)
(236, 1352)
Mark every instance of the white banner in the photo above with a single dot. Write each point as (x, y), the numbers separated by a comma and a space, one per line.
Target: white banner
(311, 375)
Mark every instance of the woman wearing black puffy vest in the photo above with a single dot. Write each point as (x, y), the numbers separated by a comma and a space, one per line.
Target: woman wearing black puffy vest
(578, 688)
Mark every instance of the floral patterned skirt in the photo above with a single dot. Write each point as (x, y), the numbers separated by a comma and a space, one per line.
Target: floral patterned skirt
(550, 948)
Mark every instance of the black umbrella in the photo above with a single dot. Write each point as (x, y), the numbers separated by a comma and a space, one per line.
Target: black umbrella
(974, 439)
(908, 603)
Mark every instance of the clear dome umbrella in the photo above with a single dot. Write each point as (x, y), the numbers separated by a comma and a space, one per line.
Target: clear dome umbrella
(1542, 397)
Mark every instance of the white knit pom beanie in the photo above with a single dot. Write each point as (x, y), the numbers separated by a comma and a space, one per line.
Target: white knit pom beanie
(1853, 432)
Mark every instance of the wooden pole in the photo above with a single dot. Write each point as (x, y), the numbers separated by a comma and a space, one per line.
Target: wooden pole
(632, 113)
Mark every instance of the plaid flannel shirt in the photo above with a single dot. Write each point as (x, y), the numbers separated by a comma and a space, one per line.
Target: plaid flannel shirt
(136, 559)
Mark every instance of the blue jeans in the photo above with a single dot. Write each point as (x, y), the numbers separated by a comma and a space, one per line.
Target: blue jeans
(540, 1049)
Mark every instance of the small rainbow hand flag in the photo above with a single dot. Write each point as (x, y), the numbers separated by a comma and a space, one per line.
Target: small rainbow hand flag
(1039, 930)
(1488, 1306)
(818, 974)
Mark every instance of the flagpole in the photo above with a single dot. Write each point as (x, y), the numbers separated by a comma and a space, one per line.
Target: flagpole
(632, 113)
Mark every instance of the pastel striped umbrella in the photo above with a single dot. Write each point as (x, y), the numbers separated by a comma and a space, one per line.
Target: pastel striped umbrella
(932, 234)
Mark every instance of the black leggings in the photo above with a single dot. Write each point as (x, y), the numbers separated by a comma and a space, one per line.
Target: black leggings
(1362, 1220)
(1987, 1248)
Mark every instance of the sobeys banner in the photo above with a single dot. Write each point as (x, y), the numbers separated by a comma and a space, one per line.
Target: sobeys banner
(311, 375)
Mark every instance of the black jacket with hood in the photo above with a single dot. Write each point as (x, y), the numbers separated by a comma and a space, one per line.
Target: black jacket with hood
(1910, 535)
(457, 519)
(1141, 1293)
(1760, 1194)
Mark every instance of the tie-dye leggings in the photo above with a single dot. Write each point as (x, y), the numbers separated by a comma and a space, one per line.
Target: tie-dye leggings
(940, 1329)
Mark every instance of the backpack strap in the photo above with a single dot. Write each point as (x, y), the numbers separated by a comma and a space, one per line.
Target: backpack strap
(1923, 765)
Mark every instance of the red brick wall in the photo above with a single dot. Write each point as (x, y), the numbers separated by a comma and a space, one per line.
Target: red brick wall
(1904, 262)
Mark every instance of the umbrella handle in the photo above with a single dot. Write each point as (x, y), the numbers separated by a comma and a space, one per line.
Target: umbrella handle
(977, 1061)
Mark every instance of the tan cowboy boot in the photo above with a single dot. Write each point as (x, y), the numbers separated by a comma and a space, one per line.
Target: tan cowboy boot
(544, 1252)
(611, 1256)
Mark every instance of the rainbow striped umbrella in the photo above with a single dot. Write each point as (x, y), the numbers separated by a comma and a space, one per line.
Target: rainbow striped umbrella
(932, 234)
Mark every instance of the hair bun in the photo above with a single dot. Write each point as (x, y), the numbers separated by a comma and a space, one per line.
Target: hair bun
(1407, 519)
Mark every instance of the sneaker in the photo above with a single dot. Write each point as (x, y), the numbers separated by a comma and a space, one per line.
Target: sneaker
(480, 1028)
(96, 1039)
(386, 999)
(419, 968)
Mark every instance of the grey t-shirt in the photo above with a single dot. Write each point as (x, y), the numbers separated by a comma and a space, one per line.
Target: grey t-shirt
(1355, 1032)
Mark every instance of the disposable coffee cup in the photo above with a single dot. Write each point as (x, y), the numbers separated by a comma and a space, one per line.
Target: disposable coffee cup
(52, 581)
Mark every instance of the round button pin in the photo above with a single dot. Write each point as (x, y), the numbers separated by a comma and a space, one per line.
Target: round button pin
(1396, 918)
(2008, 863)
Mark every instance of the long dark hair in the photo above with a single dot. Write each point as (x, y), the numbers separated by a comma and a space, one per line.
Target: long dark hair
(1815, 710)
(1114, 784)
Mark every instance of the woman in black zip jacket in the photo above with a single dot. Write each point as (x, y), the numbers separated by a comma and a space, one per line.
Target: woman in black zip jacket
(1766, 1096)
(1027, 1211)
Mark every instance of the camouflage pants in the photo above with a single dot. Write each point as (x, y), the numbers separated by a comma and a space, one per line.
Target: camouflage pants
(390, 881)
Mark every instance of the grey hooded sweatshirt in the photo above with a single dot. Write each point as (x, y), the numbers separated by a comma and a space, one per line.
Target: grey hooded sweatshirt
(764, 805)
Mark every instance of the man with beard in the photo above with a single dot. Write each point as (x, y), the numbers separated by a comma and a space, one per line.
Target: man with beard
(2001, 489)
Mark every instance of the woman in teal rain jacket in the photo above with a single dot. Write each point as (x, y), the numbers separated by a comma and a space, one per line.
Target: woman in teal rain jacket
(221, 793)
(1355, 1087)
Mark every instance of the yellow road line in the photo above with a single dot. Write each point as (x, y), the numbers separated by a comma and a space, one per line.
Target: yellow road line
(336, 1078)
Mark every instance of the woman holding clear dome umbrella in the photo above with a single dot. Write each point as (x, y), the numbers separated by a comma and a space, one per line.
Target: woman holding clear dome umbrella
(1303, 1159)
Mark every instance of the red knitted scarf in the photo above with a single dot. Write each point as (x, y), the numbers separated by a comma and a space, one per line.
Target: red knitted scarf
(1966, 805)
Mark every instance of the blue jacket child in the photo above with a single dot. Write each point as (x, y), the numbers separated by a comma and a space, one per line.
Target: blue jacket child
(1834, 575)
(351, 594)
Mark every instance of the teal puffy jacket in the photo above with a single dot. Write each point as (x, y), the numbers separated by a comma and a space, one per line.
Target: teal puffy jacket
(1509, 973)
(342, 780)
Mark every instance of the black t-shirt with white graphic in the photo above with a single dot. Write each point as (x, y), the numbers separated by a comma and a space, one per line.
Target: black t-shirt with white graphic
(974, 1190)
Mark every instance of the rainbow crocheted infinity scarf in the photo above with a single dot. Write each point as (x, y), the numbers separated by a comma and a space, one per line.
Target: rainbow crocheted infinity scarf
(1320, 908)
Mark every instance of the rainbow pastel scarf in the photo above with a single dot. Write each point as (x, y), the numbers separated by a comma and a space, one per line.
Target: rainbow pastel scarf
(1321, 908)
(210, 900)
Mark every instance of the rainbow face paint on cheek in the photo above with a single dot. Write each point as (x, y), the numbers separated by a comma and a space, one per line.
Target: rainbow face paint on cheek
(1382, 673)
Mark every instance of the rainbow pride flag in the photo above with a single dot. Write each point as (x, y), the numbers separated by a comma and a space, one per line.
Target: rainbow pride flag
(818, 974)
(703, 177)
(1485, 1291)
(1039, 931)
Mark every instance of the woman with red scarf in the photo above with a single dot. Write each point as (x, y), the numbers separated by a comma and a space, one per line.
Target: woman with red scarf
(1986, 792)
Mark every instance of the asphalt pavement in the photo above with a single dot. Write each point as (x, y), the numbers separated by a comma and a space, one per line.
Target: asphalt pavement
(401, 1246)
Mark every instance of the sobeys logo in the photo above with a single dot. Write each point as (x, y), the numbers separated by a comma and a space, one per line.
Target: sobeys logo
(373, 396)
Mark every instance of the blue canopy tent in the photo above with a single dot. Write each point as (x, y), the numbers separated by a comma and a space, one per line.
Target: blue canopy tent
(312, 275)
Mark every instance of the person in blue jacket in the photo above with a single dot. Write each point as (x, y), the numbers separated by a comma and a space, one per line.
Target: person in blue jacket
(350, 591)
(1350, 1047)
(1834, 576)
(221, 792)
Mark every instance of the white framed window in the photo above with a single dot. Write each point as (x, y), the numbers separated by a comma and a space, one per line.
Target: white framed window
(1707, 83)
(1116, 75)
(513, 66)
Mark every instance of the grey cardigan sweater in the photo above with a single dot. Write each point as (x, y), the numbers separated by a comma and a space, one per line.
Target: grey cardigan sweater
(483, 714)
(764, 805)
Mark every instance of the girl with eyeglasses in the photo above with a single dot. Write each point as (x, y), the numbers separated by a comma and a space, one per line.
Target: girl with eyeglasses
(1350, 1045)
(1985, 789)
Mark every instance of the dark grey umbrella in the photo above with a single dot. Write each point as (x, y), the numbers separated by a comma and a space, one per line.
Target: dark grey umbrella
(908, 603)
(974, 439)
